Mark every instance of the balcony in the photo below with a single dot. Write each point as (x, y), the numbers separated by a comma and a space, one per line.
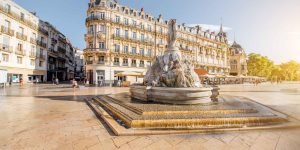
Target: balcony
(142, 65)
(134, 40)
(18, 17)
(125, 64)
(101, 62)
(20, 52)
(133, 65)
(21, 36)
(61, 49)
(42, 57)
(116, 63)
(33, 41)
(89, 62)
(32, 55)
(6, 48)
(41, 44)
(8, 31)
(45, 32)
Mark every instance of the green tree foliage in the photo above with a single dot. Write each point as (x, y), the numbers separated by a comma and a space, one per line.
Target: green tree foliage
(290, 71)
(259, 65)
(262, 66)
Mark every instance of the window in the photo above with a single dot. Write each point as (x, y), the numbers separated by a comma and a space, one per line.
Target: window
(20, 47)
(101, 59)
(133, 62)
(149, 28)
(22, 16)
(126, 21)
(149, 52)
(161, 30)
(142, 26)
(133, 50)
(133, 22)
(33, 36)
(7, 24)
(161, 41)
(134, 35)
(101, 45)
(91, 45)
(117, 31)
(126, 33)
(32, 62)
(118, 19)
(32, 51)
(117, 48)
(19, 60)
(102, 15)
(102, 28)
(21, 30)
(6, 41)
(91, 29)
(142, 63)
(116, 61)
(125, 62)
(40, 64)
(125, 49)
(142, 52)
(5, 57)
(142, 37)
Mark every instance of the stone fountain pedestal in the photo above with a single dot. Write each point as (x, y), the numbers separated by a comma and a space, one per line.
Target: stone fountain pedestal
(175, 95)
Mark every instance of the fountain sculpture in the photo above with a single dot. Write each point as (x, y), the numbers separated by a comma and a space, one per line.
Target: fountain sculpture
(172, 79)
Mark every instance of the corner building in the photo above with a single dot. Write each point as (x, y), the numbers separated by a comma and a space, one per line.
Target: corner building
(23, 50)
(122, 39)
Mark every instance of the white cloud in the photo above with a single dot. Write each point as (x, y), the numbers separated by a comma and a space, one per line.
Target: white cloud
(215, 28)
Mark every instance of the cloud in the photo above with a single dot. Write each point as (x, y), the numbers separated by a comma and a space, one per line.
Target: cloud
(211, 27)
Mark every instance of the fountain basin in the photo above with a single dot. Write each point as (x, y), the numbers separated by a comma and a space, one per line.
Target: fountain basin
(173, 95)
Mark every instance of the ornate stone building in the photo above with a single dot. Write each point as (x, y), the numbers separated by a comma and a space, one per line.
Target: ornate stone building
(22, 44)
(32, 49)
(238, 60)
(122, 39)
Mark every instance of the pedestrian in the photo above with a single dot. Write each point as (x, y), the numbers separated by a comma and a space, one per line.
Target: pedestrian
(21, 81)
(57, 81)
(9, 81)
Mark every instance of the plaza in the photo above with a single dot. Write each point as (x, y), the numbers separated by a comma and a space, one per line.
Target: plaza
(56, 117)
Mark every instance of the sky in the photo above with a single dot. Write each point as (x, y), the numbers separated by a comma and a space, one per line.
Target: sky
(268, 27)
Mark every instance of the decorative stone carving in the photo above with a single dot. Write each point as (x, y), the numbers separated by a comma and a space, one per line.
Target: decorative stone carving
(170, 70)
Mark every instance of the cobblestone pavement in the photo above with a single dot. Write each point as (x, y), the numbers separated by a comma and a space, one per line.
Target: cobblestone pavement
(55, 117)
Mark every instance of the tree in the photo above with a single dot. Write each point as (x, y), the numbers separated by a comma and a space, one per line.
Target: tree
(259, 65)
(290, 71)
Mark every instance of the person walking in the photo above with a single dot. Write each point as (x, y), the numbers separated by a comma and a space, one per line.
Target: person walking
(57, 81)
(21, 82)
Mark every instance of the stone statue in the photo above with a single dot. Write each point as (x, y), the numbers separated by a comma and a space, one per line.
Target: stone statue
(170, 70)
(172, 33)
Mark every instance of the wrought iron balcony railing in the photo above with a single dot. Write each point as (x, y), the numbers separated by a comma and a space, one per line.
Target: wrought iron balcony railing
(7, 31)
(21, 36)
(20, 52)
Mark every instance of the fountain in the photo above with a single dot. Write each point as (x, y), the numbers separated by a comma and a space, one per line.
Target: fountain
(172, 79)
(172, 100)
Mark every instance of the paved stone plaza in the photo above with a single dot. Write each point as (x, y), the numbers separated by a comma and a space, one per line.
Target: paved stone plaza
(55, 117)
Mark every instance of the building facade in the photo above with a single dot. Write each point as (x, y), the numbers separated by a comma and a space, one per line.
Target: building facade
(32, 49)
(79, 64)
(23, 50)
(122, 39)
(238, 60)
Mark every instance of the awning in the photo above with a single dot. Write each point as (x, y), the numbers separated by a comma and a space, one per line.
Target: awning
(201, 71)
(128, 73)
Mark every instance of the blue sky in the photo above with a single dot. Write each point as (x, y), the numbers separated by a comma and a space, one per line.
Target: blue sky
(268, 27)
